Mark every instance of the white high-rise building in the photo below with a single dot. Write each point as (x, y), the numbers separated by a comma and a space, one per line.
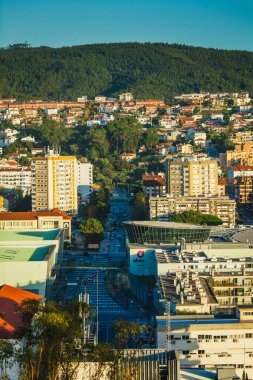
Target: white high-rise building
(84, 180)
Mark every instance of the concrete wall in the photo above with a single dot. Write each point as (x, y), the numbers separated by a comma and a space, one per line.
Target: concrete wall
(142, 261)
(26, 275)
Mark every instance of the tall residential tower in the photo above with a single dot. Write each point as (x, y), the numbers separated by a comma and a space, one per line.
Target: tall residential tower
(54, 183)
(192, 177)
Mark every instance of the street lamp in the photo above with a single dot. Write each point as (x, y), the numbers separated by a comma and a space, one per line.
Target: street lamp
(84, 298)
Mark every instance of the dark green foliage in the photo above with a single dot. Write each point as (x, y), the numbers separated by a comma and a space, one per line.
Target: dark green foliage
(140, 207)
(149, 70)
(98, 206)
(124, 134)
(47, 339)
(222, 141)
(196, 218)
(92, 230)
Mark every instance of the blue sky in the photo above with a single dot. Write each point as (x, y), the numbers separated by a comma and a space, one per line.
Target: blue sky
(225, 24)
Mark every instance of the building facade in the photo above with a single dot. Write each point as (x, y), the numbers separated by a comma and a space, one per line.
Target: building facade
(154, 232)
(54, 183)
(30, 260)
(192, 177)
(84, 180)
(16, 178)
(209, 343)
(42, 220)
(243, 190)
(161, 208)
(153, 185)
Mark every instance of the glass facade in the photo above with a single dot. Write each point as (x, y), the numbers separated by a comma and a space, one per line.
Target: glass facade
(142, 234)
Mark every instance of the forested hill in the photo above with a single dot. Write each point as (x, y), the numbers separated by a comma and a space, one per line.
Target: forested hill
(149, 70)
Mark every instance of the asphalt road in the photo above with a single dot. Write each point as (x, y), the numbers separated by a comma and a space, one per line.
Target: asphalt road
(86, 274)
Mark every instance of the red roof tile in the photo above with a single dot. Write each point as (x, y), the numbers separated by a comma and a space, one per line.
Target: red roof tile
(239, 168)
(30, 215)
(10, 298)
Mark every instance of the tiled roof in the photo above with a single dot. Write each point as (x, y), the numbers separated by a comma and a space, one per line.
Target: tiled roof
(154, 182)
(239, 168)
(10, 298)
(222, 181)
(32, 215)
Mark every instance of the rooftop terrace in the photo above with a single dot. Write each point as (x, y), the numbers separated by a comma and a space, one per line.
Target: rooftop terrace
(34, 235)
(17, 254)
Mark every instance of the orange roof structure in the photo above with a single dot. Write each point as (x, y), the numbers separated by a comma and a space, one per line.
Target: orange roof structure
(10, 298)
(32, 215)
(222, 181)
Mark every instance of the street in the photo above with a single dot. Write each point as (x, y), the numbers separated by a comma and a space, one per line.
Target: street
(80, 274)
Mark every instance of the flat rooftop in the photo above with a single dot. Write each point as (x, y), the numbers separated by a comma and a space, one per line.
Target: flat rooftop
(182, 322)
(154, 223)
(245, 236)
(164, 257)
(16, 254)
(32, 235)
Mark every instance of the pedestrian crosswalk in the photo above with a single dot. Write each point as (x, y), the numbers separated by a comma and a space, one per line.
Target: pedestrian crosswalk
(93, 281)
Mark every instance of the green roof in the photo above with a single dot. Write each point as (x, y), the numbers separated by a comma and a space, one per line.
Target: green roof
(31, 235)
(14, 254)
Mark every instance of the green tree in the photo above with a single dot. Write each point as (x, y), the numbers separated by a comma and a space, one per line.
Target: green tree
(98, 206)
(47, 340)
(74, 148)
(6, 357)
(92, 230)
(124, 134)
(195, 217)
(53, 134)
(124, 331)
(151, 138)
(95, 143)
(140, 207)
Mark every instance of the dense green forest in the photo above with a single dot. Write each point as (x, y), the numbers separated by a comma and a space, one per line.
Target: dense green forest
(149, 70)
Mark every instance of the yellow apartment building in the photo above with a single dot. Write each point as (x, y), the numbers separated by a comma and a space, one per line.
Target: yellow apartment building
(192, 177)
(54, 183)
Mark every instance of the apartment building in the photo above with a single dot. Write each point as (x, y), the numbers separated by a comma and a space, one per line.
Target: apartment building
(187, 292)
(210, 257)
(54, 183)
(241, 155)
(197, 137)
(192, 177)
(161, 208)
(185, 148)
(242, 136)
(196, 292)
(240, 171)
(207, 342)
(126, 96)
(222, 182)
(232, 289)
(153, 184)
(16, 177)
(84, 172)
(243, 190)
